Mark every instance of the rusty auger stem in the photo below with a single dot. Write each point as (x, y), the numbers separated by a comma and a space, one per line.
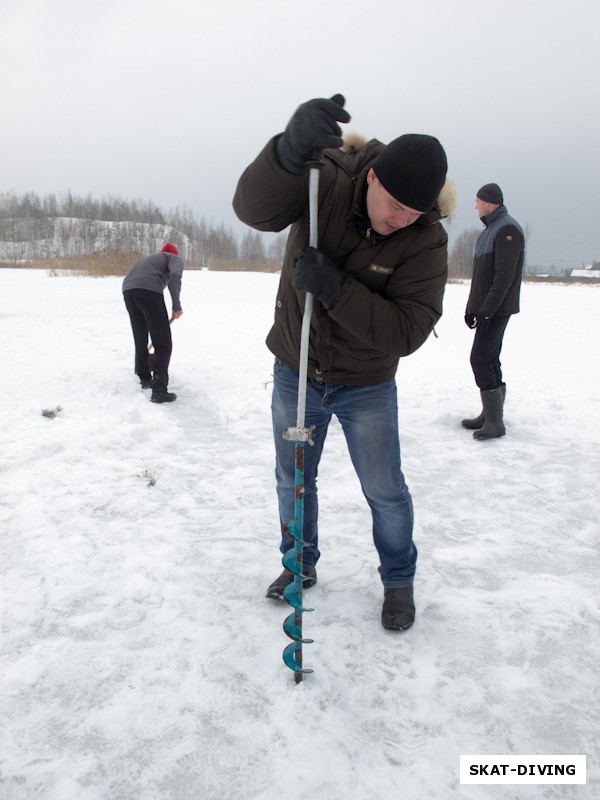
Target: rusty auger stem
(292, 560)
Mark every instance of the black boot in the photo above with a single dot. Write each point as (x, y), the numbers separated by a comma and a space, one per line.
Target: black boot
(275, 590)
(474, 423)
(162, 396)
(398, 612)
(146, 381)
(159, 389)
(477, 422)
(493, 406)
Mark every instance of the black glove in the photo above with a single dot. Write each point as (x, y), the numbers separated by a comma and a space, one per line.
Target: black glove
(474, 321)
(316, 273)
(312, 128)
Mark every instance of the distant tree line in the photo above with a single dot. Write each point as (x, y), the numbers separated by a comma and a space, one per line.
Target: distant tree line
(111, 208)
(67, 225)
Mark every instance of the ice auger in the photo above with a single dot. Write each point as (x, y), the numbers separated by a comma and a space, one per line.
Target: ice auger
(292, 560)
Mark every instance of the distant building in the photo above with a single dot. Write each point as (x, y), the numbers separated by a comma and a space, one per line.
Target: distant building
(589, 271)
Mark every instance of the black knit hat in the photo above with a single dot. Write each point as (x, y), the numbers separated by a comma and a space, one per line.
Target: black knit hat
(413, 170)
(491, 193)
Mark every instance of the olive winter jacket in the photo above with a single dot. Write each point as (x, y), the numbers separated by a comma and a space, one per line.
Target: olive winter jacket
(395, 296)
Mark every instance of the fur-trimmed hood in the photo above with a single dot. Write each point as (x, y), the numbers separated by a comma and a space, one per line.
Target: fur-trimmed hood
(357, 144)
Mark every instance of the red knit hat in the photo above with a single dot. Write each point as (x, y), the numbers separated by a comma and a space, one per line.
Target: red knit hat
(170, 248)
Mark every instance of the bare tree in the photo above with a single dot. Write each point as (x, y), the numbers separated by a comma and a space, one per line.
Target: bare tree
(460, 262)
(277, 247)
(253, 248)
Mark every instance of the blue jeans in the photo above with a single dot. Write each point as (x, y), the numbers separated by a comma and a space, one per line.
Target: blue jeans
(369, 419)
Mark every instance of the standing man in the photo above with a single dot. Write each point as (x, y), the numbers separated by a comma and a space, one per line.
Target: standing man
(494, 296)
(378, 278)
(143, 289)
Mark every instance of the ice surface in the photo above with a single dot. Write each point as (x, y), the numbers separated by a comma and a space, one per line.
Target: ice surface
(139, 658)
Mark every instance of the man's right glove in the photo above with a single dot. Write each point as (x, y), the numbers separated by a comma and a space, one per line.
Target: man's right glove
(316, 273)
(313, 127)
(473, 321)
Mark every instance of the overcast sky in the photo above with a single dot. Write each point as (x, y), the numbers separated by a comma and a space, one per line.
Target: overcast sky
(170, 100)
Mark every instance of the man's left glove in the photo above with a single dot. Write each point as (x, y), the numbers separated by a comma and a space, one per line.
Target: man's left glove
(471, 320)
(316, 273)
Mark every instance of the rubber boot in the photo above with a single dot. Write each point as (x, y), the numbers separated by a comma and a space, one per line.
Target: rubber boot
(477, 422)
(493, 406)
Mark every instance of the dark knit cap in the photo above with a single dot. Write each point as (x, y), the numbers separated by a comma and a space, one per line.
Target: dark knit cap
(491, 193)
(413, 170)
(170, 248)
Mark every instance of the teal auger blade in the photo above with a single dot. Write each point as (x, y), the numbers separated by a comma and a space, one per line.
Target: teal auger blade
(293, 629)
(293, 530)
(290, 561)
(294, 597)
(290, 657)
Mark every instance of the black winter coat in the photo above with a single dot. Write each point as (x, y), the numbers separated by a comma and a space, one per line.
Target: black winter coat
(497, 266)
(395, 295)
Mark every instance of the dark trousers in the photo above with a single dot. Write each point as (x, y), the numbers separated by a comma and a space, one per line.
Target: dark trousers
(485, 353)
(148, 315)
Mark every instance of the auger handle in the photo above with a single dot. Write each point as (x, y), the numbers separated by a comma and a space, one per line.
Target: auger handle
(313, 204)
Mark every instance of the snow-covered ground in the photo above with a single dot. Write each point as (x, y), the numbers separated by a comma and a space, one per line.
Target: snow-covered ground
(139, 658)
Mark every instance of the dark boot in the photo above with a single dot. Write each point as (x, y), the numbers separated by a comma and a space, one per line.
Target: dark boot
(275, 590)
(477, 422)
(162, 396)
(474, 423)
(398, 612)
(146, 381)
(493, 406)
(159, 389)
